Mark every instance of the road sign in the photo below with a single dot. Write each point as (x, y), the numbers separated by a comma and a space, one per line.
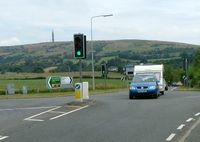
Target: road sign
(78, 91)
(66, 82)
(54, 82)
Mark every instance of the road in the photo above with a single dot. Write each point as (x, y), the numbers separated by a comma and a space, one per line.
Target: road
(112, 118)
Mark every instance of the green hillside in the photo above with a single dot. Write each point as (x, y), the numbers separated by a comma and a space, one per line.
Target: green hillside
(59, 55)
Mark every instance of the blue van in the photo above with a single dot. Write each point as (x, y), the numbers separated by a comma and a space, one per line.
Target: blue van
(145, 84)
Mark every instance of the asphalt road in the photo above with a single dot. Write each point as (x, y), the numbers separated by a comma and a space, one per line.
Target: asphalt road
(112, 118)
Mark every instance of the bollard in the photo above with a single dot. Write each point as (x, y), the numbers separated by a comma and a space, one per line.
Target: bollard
(78, 92)
(24, 90)
(85, 90)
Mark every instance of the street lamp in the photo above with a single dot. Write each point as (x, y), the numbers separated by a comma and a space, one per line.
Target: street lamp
(93, 79)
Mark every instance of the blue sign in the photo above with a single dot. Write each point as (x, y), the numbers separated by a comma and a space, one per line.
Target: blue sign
(77, 86)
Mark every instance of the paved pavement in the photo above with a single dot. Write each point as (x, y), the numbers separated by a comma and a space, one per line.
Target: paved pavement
(112, 118)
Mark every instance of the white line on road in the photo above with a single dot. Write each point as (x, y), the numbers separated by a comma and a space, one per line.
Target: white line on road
(190, 119)
(197, 114)
(3, 137)
(38, 120)
(181, 127)
(186, 135)
(171, 137)
(27, 108)
(42, 113)
(68, 112)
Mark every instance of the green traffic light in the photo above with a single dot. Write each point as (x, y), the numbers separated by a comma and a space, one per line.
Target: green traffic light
(78, 53)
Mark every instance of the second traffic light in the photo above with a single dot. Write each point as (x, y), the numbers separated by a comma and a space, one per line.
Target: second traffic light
(80, 46)
(104, 71)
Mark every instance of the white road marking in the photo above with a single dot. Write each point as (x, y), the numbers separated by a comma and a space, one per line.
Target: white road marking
(197, 114)
(3, 137)
(29, 118)
(68, 112)
(190, 119)
(171, 137)
(37, 120)
(6, 109)
(186, 135)
(181, 127)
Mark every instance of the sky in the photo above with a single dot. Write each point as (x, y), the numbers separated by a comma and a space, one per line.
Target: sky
(32, 21)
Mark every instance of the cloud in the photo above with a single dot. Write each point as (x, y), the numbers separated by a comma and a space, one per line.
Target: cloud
(10, 41)
(32, 20)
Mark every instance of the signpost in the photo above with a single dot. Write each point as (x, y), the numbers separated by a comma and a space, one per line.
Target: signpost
(55, 82)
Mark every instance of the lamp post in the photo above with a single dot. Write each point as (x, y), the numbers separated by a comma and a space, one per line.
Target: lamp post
(93, 78)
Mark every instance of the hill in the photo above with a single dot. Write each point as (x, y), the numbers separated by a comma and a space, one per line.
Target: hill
(59, 55)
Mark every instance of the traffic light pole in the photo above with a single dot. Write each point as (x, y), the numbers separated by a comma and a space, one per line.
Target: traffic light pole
(186, 71)
(80, 69)
(105, 77)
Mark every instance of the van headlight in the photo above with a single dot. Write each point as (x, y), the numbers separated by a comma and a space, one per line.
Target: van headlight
(160, 87)
(152, 87)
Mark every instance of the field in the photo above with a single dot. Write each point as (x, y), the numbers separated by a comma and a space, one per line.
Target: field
(16, 76)
(38, 84)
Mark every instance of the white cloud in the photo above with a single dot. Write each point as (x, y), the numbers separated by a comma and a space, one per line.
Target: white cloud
(10, 41)
(32, 20)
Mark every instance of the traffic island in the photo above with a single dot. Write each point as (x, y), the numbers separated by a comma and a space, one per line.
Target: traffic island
(81, 103)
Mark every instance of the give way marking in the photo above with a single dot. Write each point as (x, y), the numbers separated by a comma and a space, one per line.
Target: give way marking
(3, 137)
(53, 110)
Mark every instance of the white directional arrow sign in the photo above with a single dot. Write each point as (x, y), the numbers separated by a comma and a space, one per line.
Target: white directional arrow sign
(66, 82)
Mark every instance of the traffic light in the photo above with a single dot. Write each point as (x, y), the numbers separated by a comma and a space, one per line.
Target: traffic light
(80, 46)
(103, 70)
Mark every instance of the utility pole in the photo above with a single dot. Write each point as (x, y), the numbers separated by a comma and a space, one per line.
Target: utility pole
(52, 36)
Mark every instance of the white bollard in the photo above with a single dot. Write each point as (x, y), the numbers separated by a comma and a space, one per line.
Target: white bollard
(85, 87)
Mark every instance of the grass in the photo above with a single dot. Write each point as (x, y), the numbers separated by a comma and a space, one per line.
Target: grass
(41, 83)
(188, 88)
(37, 87)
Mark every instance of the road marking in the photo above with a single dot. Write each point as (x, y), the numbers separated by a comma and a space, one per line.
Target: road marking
(37, 120)
(6, 109)
(197, 114)
(184, 137)
(68, 112)
(190, 119)
(30, 118)
(3, 137)
(171, 137)
(181, 127)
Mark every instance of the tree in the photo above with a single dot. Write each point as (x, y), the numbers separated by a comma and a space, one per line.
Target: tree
(194, 70)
